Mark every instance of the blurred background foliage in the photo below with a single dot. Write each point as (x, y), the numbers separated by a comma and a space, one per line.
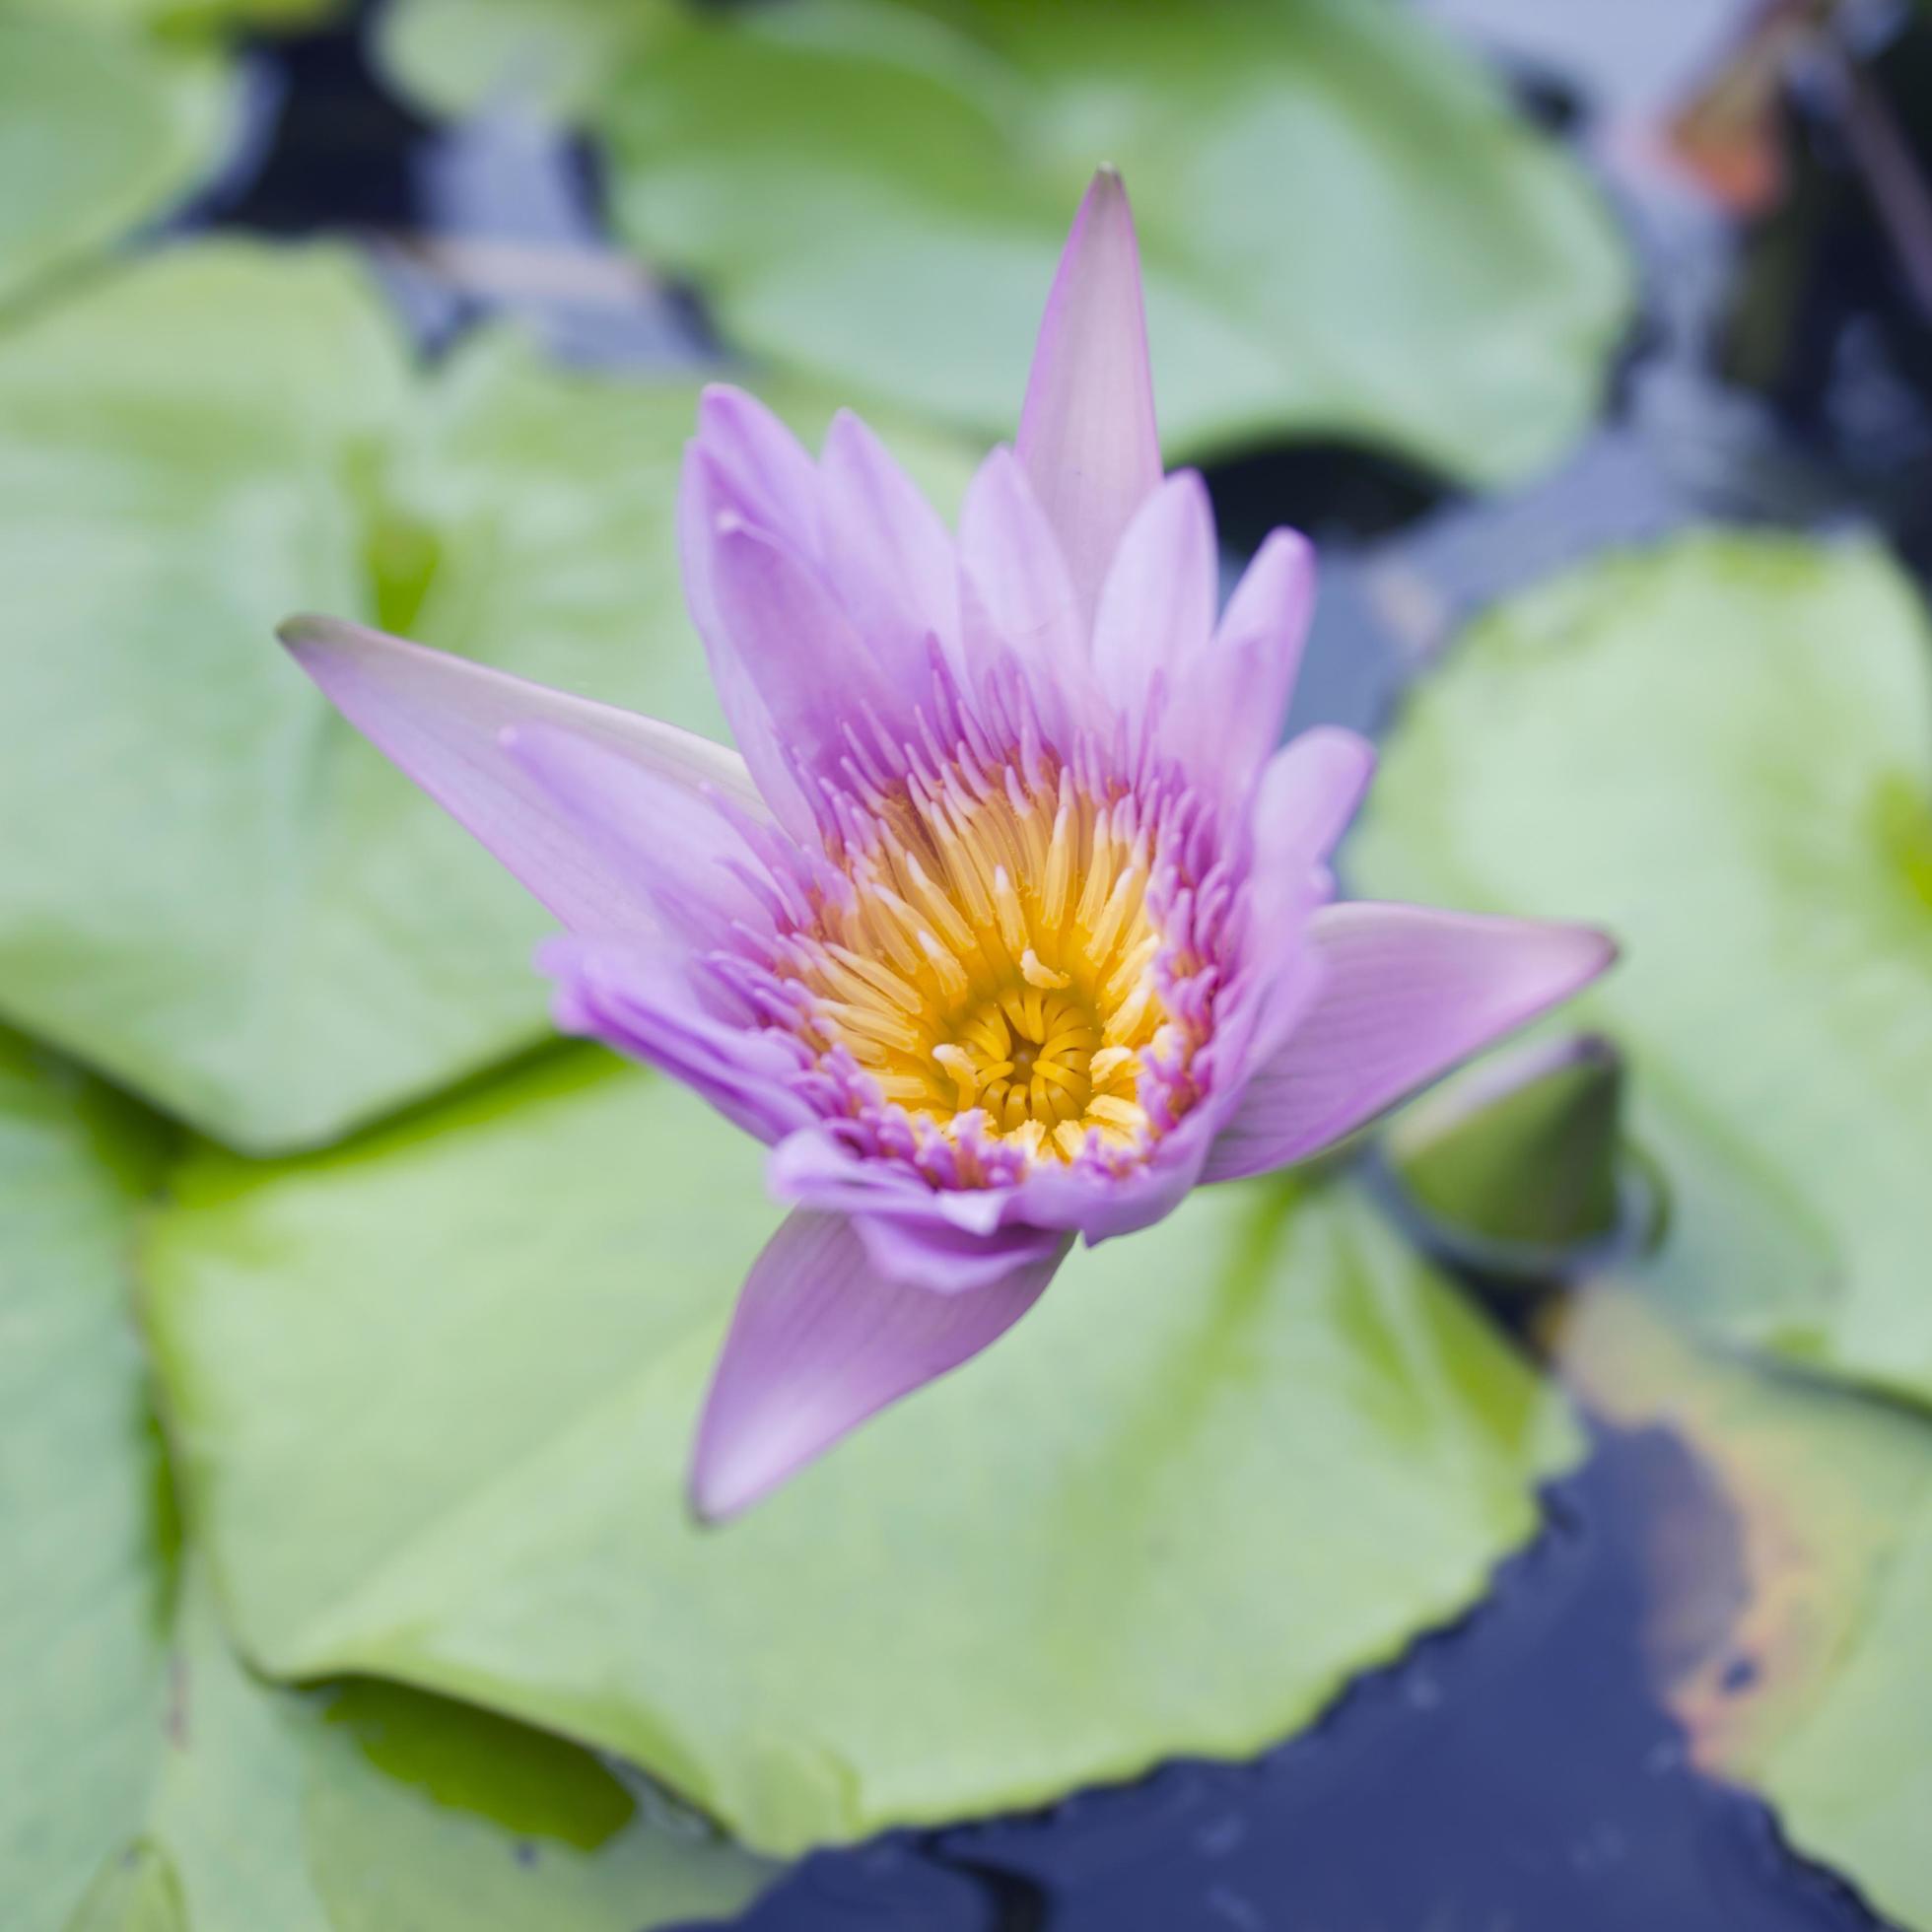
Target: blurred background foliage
(876, 191)
(353, 1335)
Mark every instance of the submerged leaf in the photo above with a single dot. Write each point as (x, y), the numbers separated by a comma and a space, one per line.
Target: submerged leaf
(1720, 751)
(147, 1782)
(1346, 230)
(435, 1394)
(229, 902)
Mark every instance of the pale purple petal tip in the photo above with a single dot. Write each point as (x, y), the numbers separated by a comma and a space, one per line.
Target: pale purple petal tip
(442, 720)
(1406, 993)
(770, 473)
(820, 1342)
(1308, 793)
(1086, 434)
(1229, 715)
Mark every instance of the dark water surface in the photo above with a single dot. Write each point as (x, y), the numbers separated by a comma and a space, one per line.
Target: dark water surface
(1512, 1775)
(1516, 1774)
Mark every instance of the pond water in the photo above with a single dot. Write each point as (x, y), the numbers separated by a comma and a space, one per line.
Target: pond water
(1513, 1775)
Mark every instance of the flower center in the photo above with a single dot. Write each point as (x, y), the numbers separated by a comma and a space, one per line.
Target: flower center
(991, 957)
(1033, 1059)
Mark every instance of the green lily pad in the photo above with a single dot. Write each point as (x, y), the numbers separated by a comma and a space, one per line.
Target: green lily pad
(1720, 751)
(455, 58)
(138, 1890)
(433, 1394)
(146, 1780)
(83, 1502)
(1517, 1159)
(229, 902)
(1791, 1645)
(1346, 230)
(373, 1805)
(101, 131)
(178, 17)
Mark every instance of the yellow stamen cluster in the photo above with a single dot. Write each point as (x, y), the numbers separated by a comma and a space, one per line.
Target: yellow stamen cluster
(997, 956)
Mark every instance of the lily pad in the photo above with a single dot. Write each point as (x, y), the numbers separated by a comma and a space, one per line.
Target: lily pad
(455, 58)
(102, 129)
(146, 1780)
(371, 1805)
(1720, 751)
(178, 18)
(83, 1505)
(1346, 231)
(434, 1393)
(1793, 1644)
(229, 902)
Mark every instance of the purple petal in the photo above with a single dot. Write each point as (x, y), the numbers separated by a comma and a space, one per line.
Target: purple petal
(887, 555)
(649, 1000)
(946, 1240)
(1086, 434)
(1225, 716)
(815, 1169)
(773, 479)
(673, 848)
(1156, 613)
(921, 1252)
(705, 497)
(1018, 595)
(820, 1342)
(442, 718)
(808, 663)
(1308, 793)
(1099, 1207)
(1406, 993)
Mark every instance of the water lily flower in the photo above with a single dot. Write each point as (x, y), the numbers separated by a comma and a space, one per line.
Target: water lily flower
(1006, 922)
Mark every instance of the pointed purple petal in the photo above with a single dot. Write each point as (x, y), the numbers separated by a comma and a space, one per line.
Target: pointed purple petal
(820, 1342)
(1156, 611)
(1308, 793)
(1225, 716)
(1407, 991)
(888, 556)
(773, 479)
(1018, 594)
(441, 719)
(705, 497)
(1087, 434)
(804, 655)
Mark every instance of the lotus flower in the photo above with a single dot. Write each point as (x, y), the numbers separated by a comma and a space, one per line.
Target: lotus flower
(1006, 922)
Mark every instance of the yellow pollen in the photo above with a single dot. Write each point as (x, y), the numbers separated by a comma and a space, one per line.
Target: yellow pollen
(996, 959)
